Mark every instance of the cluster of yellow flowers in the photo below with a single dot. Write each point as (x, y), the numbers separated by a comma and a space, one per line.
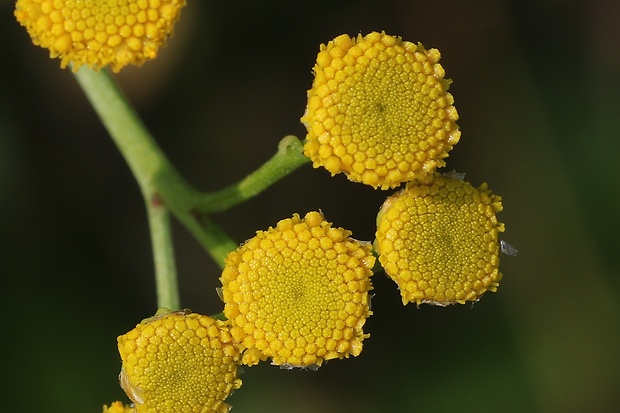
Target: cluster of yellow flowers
(297, 293)
(379, 111)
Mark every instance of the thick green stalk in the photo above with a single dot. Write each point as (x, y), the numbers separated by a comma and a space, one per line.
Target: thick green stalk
(165, 191)
(148, 164)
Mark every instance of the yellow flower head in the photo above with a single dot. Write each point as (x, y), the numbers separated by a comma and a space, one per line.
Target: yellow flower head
(379, 110)
(298, 293)
(118, 407)
(179, 362)
(97, 33)
(438, 240)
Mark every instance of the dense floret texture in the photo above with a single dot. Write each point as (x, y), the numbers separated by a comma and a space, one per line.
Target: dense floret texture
(98, 33)
(379, 110)
(439, 240)
(179, 362)
(298, 293)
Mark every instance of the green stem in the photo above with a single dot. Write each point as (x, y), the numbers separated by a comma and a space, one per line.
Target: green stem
(147, 164)
(144, 157)
(287, 159)
(163, 188)
(163, 255)
(218, 243)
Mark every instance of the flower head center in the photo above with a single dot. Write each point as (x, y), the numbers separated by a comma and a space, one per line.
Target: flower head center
(379, 110)
(298, 293)
(439, 241)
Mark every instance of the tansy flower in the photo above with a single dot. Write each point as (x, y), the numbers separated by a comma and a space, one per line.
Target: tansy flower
(298, 293)
(97, 33)
(438, 240)
(179, 362)
(118, 407)
(379, 110)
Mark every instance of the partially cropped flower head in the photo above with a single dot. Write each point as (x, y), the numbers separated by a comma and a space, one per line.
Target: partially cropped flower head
(298, 293)
(439, 241)
(98, 33)
(118, 407)
(179, 362)
(379, 110)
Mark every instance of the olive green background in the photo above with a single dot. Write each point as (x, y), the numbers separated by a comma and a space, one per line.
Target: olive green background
(536, 84)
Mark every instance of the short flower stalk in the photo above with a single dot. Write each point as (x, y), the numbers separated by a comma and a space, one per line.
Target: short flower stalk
(296, 294)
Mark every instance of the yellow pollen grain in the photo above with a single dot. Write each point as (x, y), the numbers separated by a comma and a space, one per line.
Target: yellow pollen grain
(309, 301)
(438, 239)
(374, 98)
(85, 32)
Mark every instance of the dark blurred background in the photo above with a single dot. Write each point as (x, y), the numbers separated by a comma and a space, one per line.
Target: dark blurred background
(536, 84)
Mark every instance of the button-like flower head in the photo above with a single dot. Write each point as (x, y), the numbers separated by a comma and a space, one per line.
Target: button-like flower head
(438, 240)
(179, 362)
(298, 293)
(98, 33)
(379, 110)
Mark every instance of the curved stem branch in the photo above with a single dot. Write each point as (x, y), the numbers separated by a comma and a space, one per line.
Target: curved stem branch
(287, 159)
(149, 166)
(163, 188)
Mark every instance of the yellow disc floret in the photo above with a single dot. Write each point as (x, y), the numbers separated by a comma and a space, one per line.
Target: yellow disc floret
(438, 240)
(179, 362)
(379, 110)
(118, 407)
(298, 293)
(98, 33)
